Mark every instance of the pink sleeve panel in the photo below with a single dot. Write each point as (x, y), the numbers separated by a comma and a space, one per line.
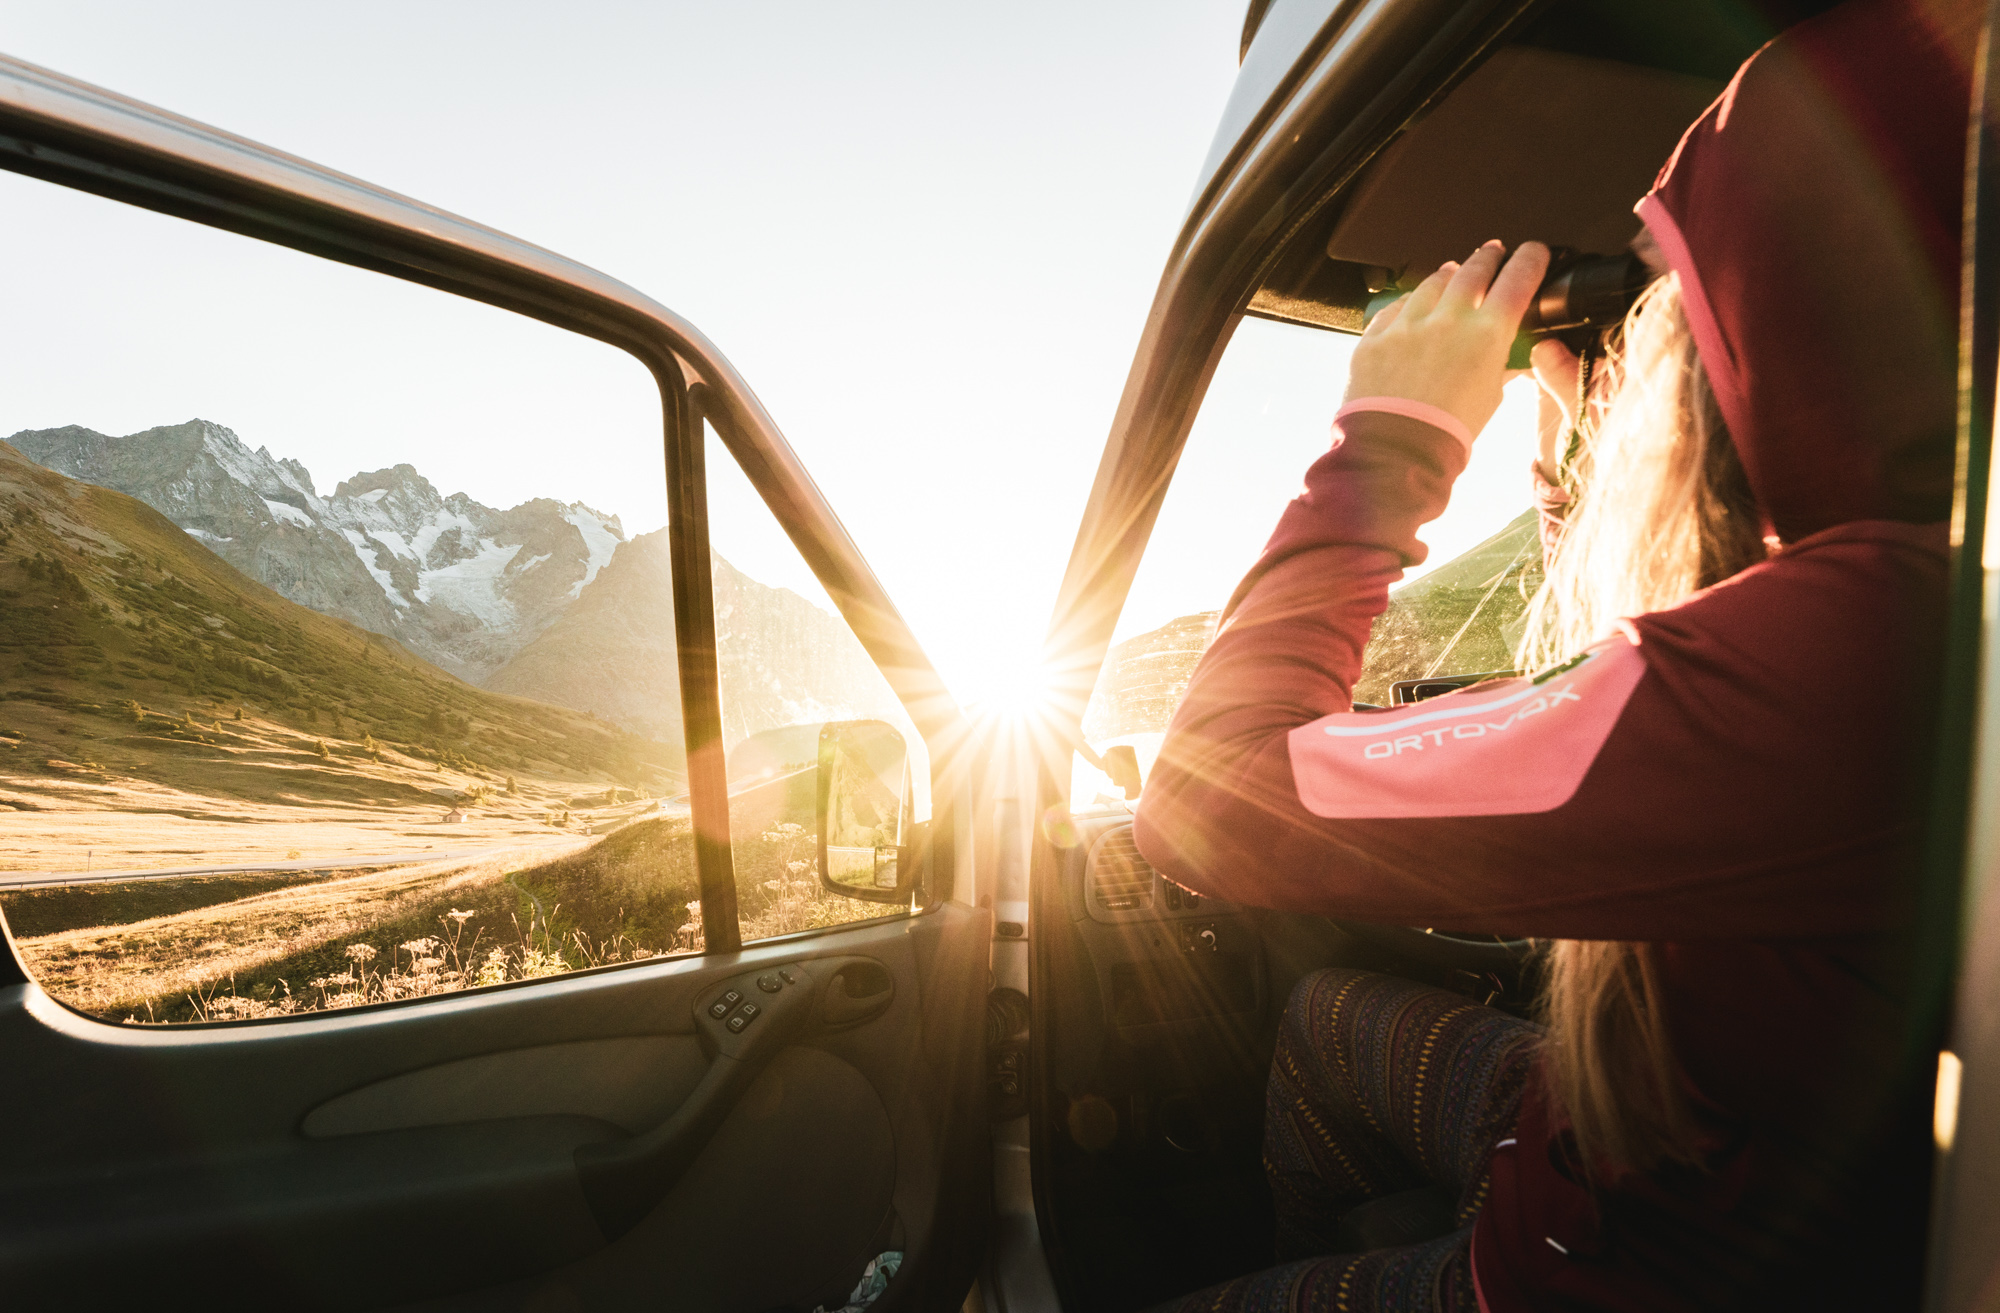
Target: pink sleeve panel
(1498, 749)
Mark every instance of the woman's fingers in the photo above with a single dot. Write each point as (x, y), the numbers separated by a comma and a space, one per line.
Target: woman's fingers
(1468, 286)
(1385, 317)
(1425, 298)
(1445, 344)
(1491, 280)
(1510, 293)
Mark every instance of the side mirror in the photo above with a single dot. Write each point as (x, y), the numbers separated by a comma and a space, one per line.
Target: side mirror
(863, 812)
(1121, 763)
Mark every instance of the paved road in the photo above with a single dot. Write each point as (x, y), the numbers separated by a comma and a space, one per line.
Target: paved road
(45, 879)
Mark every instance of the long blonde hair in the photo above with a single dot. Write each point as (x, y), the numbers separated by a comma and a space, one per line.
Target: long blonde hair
(1661, 510)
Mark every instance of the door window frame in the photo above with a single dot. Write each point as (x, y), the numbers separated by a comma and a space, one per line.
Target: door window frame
(70, 133)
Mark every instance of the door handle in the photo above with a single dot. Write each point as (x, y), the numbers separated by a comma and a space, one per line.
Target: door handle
(858, 990)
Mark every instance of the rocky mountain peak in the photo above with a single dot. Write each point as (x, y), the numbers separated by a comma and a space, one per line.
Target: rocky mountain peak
(296, 470)
(396, 478)
(223, 455)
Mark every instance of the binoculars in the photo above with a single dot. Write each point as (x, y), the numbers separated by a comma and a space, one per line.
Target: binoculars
(1580, 296)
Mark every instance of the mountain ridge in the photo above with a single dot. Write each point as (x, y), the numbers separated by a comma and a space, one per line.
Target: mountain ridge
(462, 584)
(108, 611)
(1462, 618)
(781, 660)
(546, 600)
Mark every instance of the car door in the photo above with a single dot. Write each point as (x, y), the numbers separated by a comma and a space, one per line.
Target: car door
(748, 1113)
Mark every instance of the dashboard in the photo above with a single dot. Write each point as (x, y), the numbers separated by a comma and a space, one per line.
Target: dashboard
(1163, 959)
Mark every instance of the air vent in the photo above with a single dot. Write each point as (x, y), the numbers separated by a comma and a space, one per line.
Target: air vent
(1120, 879)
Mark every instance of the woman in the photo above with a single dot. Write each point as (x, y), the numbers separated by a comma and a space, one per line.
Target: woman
(1710, 799)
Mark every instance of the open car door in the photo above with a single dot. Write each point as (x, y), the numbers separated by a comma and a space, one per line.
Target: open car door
(751, 1114)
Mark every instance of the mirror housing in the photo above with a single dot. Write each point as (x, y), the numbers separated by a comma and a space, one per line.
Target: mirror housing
(1121, 763)
(863, 812)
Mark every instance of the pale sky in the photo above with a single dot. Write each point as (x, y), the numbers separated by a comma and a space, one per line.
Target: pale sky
(927, 235)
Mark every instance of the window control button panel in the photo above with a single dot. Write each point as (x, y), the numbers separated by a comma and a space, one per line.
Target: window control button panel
(743, 1002)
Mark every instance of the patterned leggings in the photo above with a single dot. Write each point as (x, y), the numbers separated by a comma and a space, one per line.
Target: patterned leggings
(1379, 1085)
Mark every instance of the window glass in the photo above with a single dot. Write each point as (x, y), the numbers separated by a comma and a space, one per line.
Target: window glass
(1264, 421)
(798, 689)
(336, 632)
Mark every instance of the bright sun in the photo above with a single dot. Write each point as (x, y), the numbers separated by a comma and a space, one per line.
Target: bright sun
(1017, 690)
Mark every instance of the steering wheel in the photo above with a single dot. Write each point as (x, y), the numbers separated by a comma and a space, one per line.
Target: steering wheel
(1480, 955)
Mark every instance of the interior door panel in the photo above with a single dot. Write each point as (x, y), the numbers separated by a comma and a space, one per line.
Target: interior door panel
(631, 1083)
(452, 1150)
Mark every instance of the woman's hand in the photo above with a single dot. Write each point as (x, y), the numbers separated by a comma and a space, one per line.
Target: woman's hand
(1446, 343)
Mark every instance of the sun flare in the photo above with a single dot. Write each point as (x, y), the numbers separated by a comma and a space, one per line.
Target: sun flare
(1021, 691)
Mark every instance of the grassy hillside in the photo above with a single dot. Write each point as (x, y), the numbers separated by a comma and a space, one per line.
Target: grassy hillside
(1462, 618)
(1145, 678)
(146, 683)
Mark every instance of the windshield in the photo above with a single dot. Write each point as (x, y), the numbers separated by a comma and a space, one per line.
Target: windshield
(1265, 419)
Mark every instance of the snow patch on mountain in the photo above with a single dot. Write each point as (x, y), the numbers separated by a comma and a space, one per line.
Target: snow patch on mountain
(471, 585)
(288, 512)
(364, 551)
(421, 543)
(600, 538)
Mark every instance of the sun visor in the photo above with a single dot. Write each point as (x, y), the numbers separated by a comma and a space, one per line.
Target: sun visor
(1534, 144)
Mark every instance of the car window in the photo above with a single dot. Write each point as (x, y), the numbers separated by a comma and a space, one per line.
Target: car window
(792, 674)
(336, 633)
(1264, 421)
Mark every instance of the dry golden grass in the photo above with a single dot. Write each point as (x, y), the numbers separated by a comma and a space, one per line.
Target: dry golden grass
(258, 792)
(109, 970)
(423, 929)
(778, 890)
